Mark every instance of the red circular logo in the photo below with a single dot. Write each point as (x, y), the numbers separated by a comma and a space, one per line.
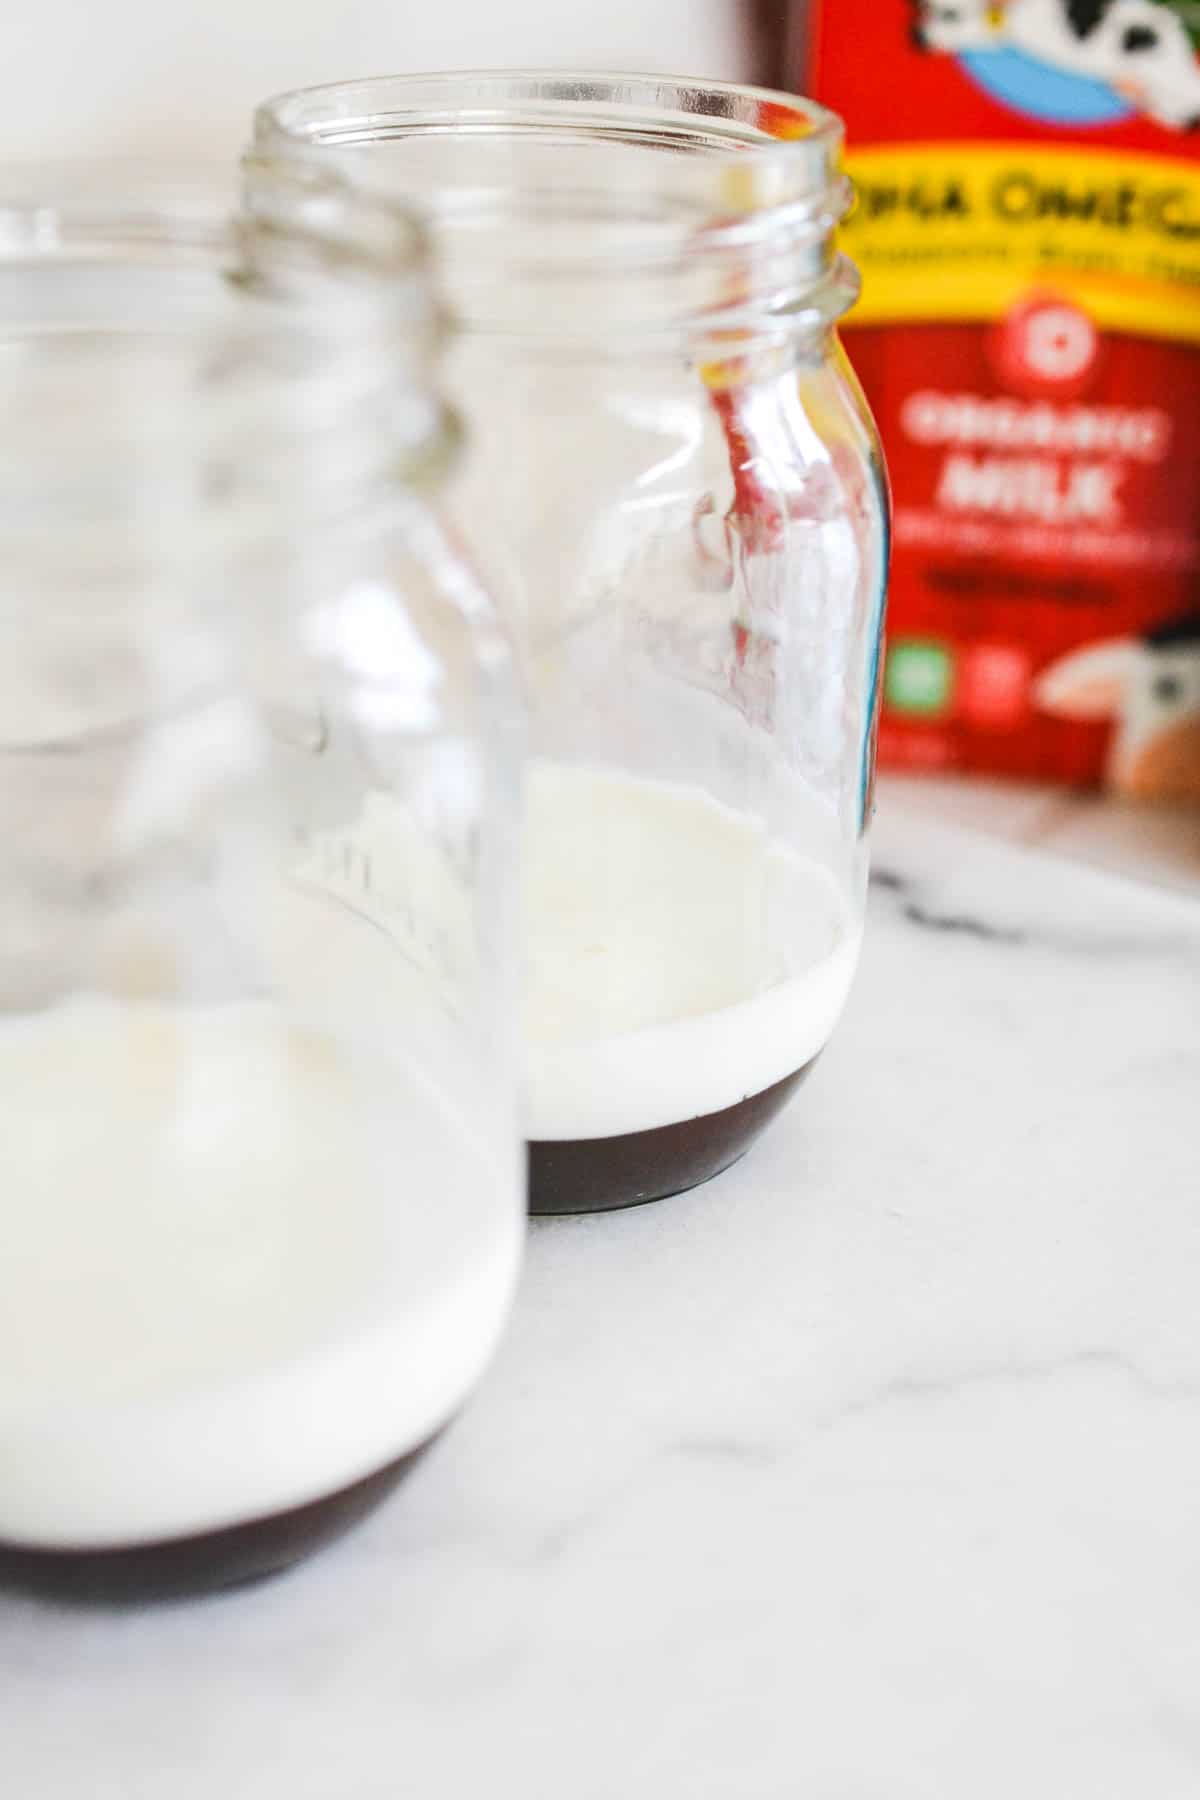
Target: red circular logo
(1047, 345)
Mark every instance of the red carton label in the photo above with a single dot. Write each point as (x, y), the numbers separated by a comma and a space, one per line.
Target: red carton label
(1028, 229)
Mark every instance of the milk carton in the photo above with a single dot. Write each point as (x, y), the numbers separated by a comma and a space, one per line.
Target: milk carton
(1028, 227)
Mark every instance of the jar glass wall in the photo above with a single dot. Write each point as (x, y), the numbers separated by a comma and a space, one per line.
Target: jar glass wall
(675, 477)
(262, 1205)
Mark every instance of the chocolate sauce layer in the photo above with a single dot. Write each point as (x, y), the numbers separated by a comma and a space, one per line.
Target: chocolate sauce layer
(206, 1561)
(597, 1174)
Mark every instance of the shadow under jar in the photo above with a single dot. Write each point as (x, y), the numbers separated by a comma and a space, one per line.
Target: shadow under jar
(675, 479)
(261, 1203)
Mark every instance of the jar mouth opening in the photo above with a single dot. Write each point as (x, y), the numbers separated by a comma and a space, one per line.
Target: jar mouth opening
(786, 148)
(556, 176)
(713, 116)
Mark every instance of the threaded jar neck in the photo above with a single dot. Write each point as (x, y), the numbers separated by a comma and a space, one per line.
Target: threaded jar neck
(609, 209)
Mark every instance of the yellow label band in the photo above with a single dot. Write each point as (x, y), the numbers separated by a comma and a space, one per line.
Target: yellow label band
(961, 231)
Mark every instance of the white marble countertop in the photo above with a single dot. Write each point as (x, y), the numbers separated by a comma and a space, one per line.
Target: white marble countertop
(869, 1472)
(1157, 844)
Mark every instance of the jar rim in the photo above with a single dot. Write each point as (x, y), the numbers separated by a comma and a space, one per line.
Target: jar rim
(124, 285)
(754, 114)
(145, 210)
(793, 143)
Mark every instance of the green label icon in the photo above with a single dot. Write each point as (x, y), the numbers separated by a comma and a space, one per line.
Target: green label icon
(919, 678)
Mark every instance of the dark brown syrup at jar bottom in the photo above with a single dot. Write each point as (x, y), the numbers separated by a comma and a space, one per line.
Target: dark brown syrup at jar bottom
(578, 1175)
(177, 1567)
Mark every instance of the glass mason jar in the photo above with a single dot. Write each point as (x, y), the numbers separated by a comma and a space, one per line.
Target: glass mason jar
(262, 1198)
(675, 475)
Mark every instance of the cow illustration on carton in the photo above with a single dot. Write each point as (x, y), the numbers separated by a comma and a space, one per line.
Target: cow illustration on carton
(1150, 687)
(1143, 50)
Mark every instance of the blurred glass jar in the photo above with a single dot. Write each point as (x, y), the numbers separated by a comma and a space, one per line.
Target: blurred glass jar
(673, 471)
(262, 1195)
